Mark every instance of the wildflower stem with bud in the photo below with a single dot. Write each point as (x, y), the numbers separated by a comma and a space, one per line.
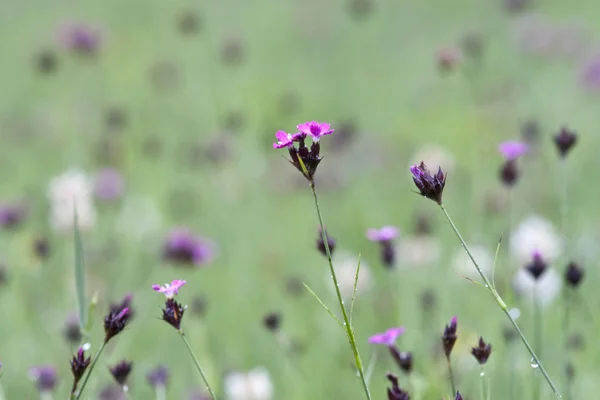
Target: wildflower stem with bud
(347, 325)
(92, 365)
(198, 367)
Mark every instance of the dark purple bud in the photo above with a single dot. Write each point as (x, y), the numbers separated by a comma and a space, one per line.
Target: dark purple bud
(72, 330)
(388, 254)
(449, 337)
(159, 376)
(430, 186)
(321, 244)
(125, 303)
(11, 215)
(395, 392)
(482, 351)
(272, 321)
(121, 371)
(537, 266)
(79, 365)
(458, 396)
(509, 173)
(173, 313)
(403, 359)
(564, 140)
(115, 322)
(574, 274)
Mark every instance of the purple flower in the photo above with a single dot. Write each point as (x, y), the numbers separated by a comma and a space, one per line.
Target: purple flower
(45, 377)
(385, 234)
(449, 337)
(121, 372)
(173, 313)
(11, 215)
(184, 248)
(430, 186)
(170, 290)
(315, 129)
(482, 351)
(284, 139)
(395, 392)
(80, 37)
(109, 184)
(114, 323)
(590, 74)
(564, 140)
(512, 150)
(388, 337)
(537, 266)
(79, 365)
(159, 376)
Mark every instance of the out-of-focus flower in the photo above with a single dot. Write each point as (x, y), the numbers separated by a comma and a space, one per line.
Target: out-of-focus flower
(462, 264)
(252, 385)
(158, 377)
(430, 186)
(535, 233)
(589, 73)
(11, 215)
(182, 247)
(482, 351)
(321, 243)
(448, 58)
(109, 184)
(472, 45)
(418, 251)
(45, 378)
(188, 22)
(45, 61)
(80, 37)
(537, 266)
(395, 392)
(530, 132)
(458, 396)
(169, 289)
(543, 290)
(41, 247)
(345, 264)
(112, 392)
(574, 274)
(72, 330)
(436, 155)
(384, 237)
(67, 192)
(512, 150)
(121, 372)
(564, 140)
(387, 338)
(509, 173)
(272, 321)
(232, 51)
(533, 34)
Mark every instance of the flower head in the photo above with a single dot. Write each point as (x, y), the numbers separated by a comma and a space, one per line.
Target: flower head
(284, 139)
(109, 184)
(121, 371)
(388, 337)
(170, 289)
(272, 321)
(385, 234)
(537, 266)
(512, 150)
(482, 351)
(449, 337)
(159, 376)
(11, 215)
(173, 313)
(574, 274)
(564, 140)
(430, 186)
(509, 173)
(115, 322)
(542, 291)
(79, 365)
(315, 129)
(404, 359)
(80, 37)
(458, 396)
(184, 248)
(395, 392)
(45, 377)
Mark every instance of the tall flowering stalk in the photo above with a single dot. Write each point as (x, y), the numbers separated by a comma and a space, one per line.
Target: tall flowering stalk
(432, 187)
(306, 160)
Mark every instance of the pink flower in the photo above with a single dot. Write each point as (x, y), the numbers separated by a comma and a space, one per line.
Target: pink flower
(385, 234)
(284, 139)
(315, 129)
(388, 337)
(169, 290)
(512, 150)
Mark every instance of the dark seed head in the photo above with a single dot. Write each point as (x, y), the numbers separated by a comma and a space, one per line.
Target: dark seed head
(537, 266)
(78, 365)
(173, 313)
(482, 351)
(272, 321)
(121, 371)
(449, 337)
(395, 392)
(509, 173)
(115, 322)
(574, 275)
(388, 254)
(564, 141)
(458, 396)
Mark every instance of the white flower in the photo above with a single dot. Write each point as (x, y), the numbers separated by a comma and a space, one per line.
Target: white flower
(462, 264)
(418, 251)
(544, 290)
(65, 192)
(435, 156)
(252, 385)
(535, 234)
(345, 264)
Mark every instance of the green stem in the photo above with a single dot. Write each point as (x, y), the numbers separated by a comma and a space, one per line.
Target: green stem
(485, 393)
(537, 336)
(451, 377)
(347, 325)
(566, 328)
(187, 344)
(94, 361)
(564, 194)
(490, 288)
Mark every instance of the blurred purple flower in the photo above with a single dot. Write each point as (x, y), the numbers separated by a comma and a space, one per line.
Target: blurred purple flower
(184, 248)
(589, 75)
(109, 184)
(11, 215)
(159, 376)
(45, 377)
(385, 234)
(388, 337)
(315, 129)
(512, 150)
(80, 37)
(170, 289)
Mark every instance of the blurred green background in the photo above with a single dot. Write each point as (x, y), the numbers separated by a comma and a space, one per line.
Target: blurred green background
(198, 89)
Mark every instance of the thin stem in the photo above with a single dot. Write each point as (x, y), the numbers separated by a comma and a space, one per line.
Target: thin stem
(347, 325)
(512, 383)
(564, 195)
(502, 306)
(537, 336)
(566, 329)
(485, 393)
(94, 361)
(451, 377)
(187, 344)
